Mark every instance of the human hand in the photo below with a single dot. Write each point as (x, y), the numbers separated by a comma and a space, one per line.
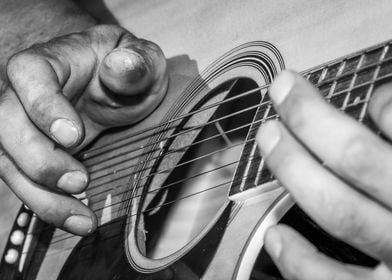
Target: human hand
(61, 95)
(338, 171)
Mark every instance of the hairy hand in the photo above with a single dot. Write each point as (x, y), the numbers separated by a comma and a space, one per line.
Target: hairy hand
(61, 94)
(338, 171)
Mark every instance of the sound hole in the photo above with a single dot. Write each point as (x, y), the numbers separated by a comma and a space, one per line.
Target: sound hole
(264, 268)
(209, 144)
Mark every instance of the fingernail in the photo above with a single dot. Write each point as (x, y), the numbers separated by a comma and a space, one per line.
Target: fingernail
(268, 137)
(65, 132)
(273, 243)
(281, 87)
(126, 64)
(73, 181)
(78, 224)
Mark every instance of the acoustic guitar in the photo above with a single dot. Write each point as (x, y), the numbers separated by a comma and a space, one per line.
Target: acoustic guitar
(184, 194)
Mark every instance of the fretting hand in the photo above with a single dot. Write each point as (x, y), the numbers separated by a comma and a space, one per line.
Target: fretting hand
(61, 94)
(349, 194)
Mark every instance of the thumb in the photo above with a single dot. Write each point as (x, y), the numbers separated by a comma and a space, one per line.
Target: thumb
(135, 66)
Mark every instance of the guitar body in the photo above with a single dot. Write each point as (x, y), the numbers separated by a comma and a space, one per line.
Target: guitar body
(216, 50)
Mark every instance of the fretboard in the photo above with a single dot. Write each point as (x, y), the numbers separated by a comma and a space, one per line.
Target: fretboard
(346, 83)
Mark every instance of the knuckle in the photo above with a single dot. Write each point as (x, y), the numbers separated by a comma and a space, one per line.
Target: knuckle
(345, 222)
(38, 166)
(49, 213)
(356, 159)
(292, 270)
(17, 62)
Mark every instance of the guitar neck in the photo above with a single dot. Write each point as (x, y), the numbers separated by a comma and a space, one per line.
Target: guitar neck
(347, 83)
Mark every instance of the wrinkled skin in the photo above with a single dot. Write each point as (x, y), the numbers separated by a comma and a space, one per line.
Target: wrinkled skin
(59, 96)
(338, 171)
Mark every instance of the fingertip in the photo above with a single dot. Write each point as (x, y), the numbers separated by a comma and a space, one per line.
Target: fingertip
(273, 242)
(380, 108)
(268, 137)
(73, 181)
(282, 86)
(126, 72)
(80, 224)
(66, 132)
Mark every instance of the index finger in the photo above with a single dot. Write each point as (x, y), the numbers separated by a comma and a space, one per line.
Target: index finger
(38, 87)
(345, 146)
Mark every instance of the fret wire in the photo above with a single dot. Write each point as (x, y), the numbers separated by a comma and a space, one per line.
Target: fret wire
(259, 171)
(350, 89)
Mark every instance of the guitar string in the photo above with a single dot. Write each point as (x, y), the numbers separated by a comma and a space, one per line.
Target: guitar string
(177, 182)
(195, 143)
(363, 103)
(251, 139)
(173, 183)
(177, 150)
(226, 100)
(194, 128)
(384, 77)
(175, 119)
(335, 94)
(119, 202)
(381, 61)
(163, 140)
(170, 151)
(156, 207)
(169, 185)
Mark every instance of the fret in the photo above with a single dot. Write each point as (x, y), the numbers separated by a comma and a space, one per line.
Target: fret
(347, 84)
(365, 76)
(246, 155)
(339, 100)
(271, 112)
(332, 71)
(343, 83)
(350, 65)
(264, 174)
(326, 89)
(372, 57)
(314, 77)
(355, 111)
(252, 168)
(388, 53)
(358, 94)
(385, 69)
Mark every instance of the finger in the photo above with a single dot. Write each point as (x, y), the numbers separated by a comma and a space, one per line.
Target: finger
(380, 108)
(338, 208)
(133, 67)
(57, 209)
(135, 74)
(297, 258)
(341, 143)
(34, 79)
(36, 154)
